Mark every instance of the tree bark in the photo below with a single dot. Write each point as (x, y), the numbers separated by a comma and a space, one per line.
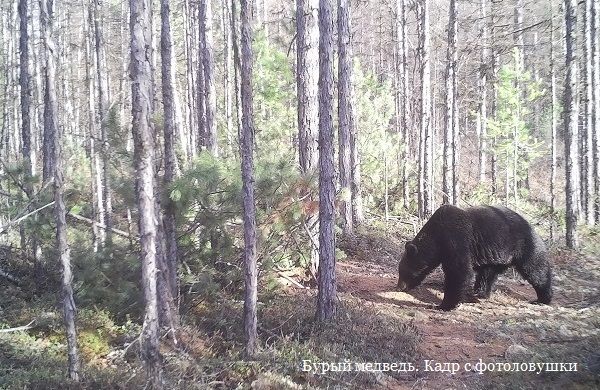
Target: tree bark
(24, 82)
(51, 130)
(482, 112)
(99, 235)
(596, 109)
(403, 96)
(426, 117)
(554, 131)
(142, 128)
(227, 73)
(451, 108)
(247, 149)
(236, 68)
(200, 94)
(307, 68)
(326, 297)
(345, 113)
(170, 129)
(571, 123)
(589, 114)
(30, 244)
(103, 102)
(190, 106)
(307, 72)
(50, 100)
(208, 64)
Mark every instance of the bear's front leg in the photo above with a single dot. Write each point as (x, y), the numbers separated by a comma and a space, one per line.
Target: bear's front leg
(458, 284)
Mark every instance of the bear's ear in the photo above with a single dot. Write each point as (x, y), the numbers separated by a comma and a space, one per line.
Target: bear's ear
(411, 249)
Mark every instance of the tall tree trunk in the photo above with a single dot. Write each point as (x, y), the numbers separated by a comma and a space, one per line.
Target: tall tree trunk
(142, 128)
(554, 131)
(589, 114)
(236, 68)
(227, 73)
(518, 34)
(170, 129)
(571, 123)
(208, 63)
(200, 94)
(494, 104)
(355, 186)
(247, 148)
(30, 243)
(98, 235)
(482, 112)
(403, 94)
(51, 129)
(596, 97)
(24, 82)
(307, 71)
(451, 111)
(190, 107)
(103, 102)
(50, 100)
(306, 80)
(326, 297)
(345, 117)
(426, 117)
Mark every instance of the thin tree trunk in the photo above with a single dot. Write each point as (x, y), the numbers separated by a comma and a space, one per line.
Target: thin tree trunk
(170, 129)
(589, 115)
(98, 235)
(30, 243)
(210, 99)
(52, 131)
(306, 81)
(355, 186)
(236, 68)
(596, 108)
(247, 148)
(494, 104)
(451, 111)
(227, 73)
(426, 117)
(200, 84)
(190, 80)
(571, 123)
(24, 82)
(482, 113)
(142, 128)
(103, 102)
(554, 132)
(403, 101)
(326, 297)
(307, 72)
(345, 116)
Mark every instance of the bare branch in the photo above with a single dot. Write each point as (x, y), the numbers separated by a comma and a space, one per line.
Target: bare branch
(18, 328)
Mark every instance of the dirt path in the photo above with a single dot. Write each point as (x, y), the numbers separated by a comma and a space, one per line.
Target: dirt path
(504, 328)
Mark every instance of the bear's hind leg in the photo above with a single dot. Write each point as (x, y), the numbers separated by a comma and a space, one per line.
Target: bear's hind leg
(458, 285)
(484, 282)
(536, 270)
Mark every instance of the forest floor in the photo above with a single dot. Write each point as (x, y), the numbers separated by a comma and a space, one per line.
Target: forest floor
(374, 324)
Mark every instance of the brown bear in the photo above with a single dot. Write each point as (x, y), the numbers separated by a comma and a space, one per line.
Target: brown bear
(475, 243)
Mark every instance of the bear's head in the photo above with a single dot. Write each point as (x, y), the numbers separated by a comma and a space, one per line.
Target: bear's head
(414, 266)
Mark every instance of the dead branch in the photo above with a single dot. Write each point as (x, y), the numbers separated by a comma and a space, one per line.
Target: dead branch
(20, 219)
(81, 218)
(18, 328)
